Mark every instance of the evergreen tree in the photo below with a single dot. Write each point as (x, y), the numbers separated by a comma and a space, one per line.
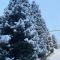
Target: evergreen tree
(50, 46)
(41, 28)
(21, 29)
(24, 32)
(54, 41)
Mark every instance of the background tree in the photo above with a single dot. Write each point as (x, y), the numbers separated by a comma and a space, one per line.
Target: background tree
(54, 41)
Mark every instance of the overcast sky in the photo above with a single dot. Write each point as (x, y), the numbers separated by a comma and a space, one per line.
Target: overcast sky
(50, 11)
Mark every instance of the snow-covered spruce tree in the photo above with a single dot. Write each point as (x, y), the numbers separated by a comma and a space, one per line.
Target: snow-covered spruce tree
(54, 41)
(20, 26)
(50, 46)
(41, 28)
(26, 31)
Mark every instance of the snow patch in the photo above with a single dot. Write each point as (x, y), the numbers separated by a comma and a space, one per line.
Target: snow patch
(5, 38)
(55, 55)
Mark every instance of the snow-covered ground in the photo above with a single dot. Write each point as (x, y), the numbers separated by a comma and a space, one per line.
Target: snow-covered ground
(55, 55)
